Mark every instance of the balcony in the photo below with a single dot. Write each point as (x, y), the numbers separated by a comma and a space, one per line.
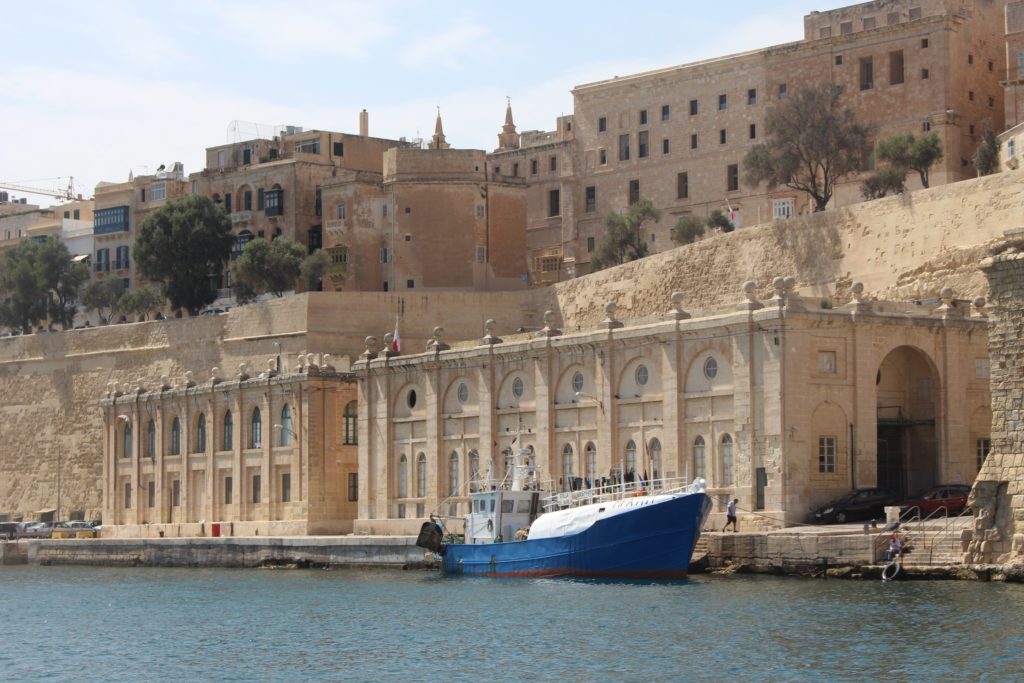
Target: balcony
(335, 228)
(102, 267)
(121, 264)
(241, 216)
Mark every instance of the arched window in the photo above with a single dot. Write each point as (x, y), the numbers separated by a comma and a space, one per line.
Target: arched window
(201, 434)
(127, 440)
(421, 475)
(474, 471)
(453, 474)
(403, 477)
(630, 466)
(567, 474)
(256, 429)
(591, 452)
(699, 458)
(151, 439)
(228, 440)
(175, 437)
(286, 425)
(727, 460)
(655, 452)
(351, 416)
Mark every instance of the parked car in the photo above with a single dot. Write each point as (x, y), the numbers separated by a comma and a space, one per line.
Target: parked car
(858, 505)
(10, 530)
(952, 497)
(37, 530)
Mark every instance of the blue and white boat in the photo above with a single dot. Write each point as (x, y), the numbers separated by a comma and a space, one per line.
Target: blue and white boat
(632, 530)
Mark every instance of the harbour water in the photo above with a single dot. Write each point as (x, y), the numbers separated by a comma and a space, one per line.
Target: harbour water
(111, 624)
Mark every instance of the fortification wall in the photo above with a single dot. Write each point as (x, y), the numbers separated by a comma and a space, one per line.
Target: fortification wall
(908, 246)
(50, 421)
(997, 498)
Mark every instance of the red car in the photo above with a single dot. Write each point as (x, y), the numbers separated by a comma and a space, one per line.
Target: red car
(952, 497)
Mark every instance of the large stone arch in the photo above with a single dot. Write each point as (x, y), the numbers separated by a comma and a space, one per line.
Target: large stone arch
(908, 415)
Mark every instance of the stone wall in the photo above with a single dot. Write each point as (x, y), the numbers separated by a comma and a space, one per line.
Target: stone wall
(51, 384)
(910, 246)
(998, 495)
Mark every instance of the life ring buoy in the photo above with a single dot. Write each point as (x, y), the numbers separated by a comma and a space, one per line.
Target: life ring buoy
(891, 571)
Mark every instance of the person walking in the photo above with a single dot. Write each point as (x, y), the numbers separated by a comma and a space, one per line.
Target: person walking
(730, 515)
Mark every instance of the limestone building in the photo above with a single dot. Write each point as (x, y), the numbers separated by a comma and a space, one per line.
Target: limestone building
(271, 187)
(119, 209)
(431, 219)
(272, 454)
(678, 135)
(545, 161)
(780, 403)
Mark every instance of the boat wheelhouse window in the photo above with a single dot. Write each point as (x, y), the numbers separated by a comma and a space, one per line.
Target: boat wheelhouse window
(492, 504)
(524, 506)
(507, 505)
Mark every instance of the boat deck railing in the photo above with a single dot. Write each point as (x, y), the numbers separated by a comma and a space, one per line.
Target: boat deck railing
(613, 492)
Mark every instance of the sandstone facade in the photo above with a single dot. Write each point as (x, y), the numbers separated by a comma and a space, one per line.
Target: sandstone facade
(783, 405)
(271, 455)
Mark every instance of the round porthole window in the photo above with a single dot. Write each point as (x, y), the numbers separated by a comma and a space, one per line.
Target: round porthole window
(411, 399)
(577, 382)
(711, 368)
(463, 392)
(642, 375)
(517, 387)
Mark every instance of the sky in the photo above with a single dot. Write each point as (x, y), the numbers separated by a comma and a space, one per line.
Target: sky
(100, 89)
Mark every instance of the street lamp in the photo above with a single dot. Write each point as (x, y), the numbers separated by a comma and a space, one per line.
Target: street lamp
(600, 403)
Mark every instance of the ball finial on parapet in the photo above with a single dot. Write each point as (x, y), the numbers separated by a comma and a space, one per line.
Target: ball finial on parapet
(610, 322)
(979, 307)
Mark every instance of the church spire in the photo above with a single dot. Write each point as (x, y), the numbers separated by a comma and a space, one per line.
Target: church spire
(508, 138)
(437, 141)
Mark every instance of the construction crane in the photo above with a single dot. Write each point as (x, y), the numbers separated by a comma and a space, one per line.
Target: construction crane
(67, 194)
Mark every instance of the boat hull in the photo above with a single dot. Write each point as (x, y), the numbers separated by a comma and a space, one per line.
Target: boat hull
(652, 541)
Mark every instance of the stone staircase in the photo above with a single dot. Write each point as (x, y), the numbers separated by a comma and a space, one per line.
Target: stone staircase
(935, 543)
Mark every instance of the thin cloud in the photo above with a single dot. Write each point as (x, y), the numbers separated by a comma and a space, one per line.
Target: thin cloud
(446, 48)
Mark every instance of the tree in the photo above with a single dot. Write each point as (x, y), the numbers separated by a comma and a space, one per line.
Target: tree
(623, 240)
(65, 279)
(687, 229)
(911, 153)
(314, 267)
(717, 219)
(182, 245)
(103, 296)
(272, 267)
(26, 284)
(986, 157)
(891, 179)
(812, 143)
(140, 301)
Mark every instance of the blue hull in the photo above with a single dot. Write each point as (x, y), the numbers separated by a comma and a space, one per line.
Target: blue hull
(654, 541)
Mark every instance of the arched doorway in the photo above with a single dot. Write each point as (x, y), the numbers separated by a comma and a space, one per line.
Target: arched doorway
(907, 407)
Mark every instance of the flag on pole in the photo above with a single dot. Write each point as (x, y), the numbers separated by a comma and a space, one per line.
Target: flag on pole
(396, 342)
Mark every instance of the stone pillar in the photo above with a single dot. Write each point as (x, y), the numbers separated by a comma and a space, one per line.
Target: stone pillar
(997, 498)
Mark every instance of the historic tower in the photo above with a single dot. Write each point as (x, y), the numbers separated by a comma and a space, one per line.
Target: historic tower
(508, 138)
